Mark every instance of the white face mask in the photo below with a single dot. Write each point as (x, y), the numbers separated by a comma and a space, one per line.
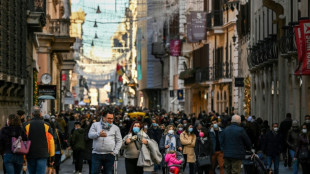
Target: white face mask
(304, 131)
(180, 129)
(145, 127)
(170, 132)
(276, 129)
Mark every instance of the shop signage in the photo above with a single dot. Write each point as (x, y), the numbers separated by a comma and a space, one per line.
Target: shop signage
(47, 90)
(69, 100)
(198, 24)
(239, 82)
(303, 42)
(175, 47)
(63, 77)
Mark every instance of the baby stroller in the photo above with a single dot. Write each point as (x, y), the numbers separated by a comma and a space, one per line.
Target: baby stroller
(253, 164)
(180, 166)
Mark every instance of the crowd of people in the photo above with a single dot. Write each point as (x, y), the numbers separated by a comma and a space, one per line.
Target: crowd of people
(158, 141)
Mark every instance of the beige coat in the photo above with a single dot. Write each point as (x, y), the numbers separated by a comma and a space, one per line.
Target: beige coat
(188, 142)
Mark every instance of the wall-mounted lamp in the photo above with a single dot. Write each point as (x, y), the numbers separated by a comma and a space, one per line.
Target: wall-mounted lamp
(234, 39)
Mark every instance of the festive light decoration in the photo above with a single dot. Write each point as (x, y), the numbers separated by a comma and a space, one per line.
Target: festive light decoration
(247, 96)
(35, 88)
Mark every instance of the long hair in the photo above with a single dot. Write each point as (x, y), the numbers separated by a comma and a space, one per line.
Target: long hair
(131, 127)
(168, 128)
(14, 120)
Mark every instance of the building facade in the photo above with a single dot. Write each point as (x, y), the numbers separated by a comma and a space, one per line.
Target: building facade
(269, 48)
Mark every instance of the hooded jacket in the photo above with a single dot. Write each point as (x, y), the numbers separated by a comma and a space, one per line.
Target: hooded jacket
(171, 159)
(105, 145)
(77, 140)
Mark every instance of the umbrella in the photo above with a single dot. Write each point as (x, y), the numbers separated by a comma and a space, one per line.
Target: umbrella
(81, 103)
(46, 97)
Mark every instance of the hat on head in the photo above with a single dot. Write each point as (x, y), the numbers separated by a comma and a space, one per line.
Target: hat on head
(46, 117)
(295, 123)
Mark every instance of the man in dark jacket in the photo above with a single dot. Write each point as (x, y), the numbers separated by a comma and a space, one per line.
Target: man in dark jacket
(155, 132)
(273, 146)
(292, 142)
(234, 141)
(78, 145)
(285, 126)
(218, 155)
(42, 143)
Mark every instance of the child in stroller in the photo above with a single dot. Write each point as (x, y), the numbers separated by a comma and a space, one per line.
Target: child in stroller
(174, 160)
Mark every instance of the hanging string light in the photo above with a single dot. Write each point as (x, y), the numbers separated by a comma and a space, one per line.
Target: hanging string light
(95, 25)
(96, 36)
(92, 43)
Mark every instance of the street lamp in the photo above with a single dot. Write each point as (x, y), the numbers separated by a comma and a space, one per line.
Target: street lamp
(234, 39)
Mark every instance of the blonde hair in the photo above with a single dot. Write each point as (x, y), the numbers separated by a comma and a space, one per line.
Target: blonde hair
(168, 128)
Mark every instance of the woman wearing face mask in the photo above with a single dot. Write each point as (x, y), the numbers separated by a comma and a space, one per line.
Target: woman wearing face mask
(169, 141)
(303, 148)
(188, 140)
(180, 129)
(204, 148)
(132, 144)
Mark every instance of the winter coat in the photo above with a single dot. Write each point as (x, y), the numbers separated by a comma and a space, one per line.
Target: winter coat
(205, 148)
(213, 138)
(235, 141)
(162, 143)
(285, 126)
(303, 144)
(273, 144)
(6, 135)
(292, 139)
(155, 133)
(88, 145)
(188, 141)
(171, 159)
(77, 140)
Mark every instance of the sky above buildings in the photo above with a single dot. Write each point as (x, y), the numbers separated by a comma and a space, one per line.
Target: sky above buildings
(112, 14)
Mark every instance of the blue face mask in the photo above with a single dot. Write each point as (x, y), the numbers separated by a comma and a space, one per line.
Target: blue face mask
(135, 130)
(190, 129)
(154, 124)
(215, 126)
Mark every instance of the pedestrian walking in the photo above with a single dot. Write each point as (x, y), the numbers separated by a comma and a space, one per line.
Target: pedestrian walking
(303, 151)
(78, 145)
(218, 155)
(13, 162)
(285, 126)
(235, 142)
(107, 141)
(42, 149)
(169, 141)
(188, 140)
(204, 148)
(273, 147)
(292, 143)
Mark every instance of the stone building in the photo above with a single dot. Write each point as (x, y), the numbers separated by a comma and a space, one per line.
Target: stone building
(268, 46)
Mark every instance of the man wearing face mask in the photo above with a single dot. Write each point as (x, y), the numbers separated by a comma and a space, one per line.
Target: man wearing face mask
(273, 146)
(307, 121)
(107, 141)
(155, 132)
(292, 142)
(218, 155)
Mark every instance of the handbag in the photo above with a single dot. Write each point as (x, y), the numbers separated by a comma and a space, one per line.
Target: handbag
(303, 154)
(203, 160)
(19, 146)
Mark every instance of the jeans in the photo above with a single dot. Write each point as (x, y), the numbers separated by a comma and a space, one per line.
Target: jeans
(105, 160)
(36, 165)
(276, 160)
(295, 163)
(13, 163)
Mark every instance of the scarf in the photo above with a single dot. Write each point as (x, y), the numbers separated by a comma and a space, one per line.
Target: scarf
(203, 139)
(170, 140)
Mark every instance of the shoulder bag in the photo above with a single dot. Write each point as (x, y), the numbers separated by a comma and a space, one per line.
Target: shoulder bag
(19, 146)
(203, 160)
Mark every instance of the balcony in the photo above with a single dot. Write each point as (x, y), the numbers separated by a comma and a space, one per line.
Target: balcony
(222, 71)
(263, 53)
(287, 42)
(60, 28)
(202, 75)
(36, 18)
(214, 19)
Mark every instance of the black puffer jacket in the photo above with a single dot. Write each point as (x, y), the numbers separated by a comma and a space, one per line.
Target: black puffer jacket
(6, 137)
(203, 147)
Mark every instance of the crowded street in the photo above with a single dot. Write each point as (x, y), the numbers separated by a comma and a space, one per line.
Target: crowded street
(154, 86)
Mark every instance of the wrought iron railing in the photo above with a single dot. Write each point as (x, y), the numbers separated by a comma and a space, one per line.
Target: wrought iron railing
(222, 71)
(215, 18)
(287, 41)
(202, 75)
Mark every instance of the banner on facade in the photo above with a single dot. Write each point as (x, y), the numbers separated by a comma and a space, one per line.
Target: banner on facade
(175, 47)
(304, 64)
(189, 29)
(180, 94)
(298, 42)
(198, 25)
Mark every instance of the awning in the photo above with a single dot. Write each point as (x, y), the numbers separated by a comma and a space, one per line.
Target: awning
(46, 97)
